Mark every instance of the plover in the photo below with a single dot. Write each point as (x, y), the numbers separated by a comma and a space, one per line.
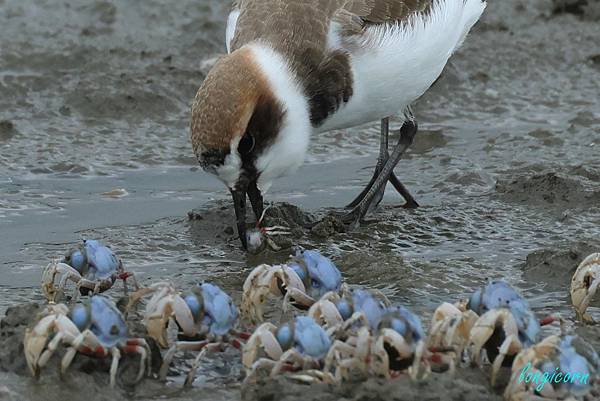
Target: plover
(296, 68)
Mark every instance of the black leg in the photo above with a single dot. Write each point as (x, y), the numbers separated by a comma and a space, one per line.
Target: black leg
(381, 160)
(407, 134)
(411, 203)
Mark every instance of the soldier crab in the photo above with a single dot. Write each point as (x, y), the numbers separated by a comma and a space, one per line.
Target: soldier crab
(307, 277)
(558, 368)
(505, 325)
(205, 318)
(96, 328)
(92, 266)
(584, 285)
(299, 345)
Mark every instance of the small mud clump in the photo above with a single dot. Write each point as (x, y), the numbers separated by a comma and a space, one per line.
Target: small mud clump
(586, 9)
(557, 265)
(7, 130)
(551, 188)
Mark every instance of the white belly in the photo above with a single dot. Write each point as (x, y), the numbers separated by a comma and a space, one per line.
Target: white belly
(397, 64)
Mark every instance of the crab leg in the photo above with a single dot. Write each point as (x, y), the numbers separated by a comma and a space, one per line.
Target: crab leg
(586, 301)
(509, 342)
(144, 356)
(260, 365)
(75, 346)
(116, 355)
(413, 370)
(124, 276)
(211, 347)
(51, 348)
(179, 346)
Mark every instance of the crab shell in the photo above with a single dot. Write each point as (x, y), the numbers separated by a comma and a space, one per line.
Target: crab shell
(483, 330)
(267, 281)
(584, 285)
(165, 304)
(54, 319)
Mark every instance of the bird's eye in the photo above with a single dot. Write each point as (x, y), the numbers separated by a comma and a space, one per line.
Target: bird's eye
(246, 144)
(315, 283)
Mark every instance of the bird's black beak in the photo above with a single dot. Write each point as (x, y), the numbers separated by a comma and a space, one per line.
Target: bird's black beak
(239, 203)
(256, 200)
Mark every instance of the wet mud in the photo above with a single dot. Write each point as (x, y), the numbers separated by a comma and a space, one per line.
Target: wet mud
(94, 143)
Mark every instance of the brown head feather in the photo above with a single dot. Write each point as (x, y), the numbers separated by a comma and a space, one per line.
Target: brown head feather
(226, 102)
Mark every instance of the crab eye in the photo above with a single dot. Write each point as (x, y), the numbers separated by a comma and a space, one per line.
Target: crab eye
(79, 316)
(194, 304)
(284, 337)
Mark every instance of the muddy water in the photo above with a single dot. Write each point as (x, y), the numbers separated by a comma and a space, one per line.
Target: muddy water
(94, 105)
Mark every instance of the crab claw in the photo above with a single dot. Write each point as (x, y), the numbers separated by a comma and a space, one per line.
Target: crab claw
(584, 285)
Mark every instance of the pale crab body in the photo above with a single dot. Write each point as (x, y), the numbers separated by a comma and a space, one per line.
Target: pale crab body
(451, 327)
(584, 285)
(505, 326)
(535, 370)
(205, 318)
(298, 345)
(93, 267)
(96, 328)
(307, 277)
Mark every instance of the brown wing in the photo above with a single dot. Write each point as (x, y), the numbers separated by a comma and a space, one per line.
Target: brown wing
(357, 14)
(290, 26)
(381, 11)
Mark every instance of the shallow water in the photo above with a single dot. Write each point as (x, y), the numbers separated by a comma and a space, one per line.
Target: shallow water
(94, 96)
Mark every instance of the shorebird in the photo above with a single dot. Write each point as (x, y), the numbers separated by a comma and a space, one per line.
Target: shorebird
(296, 68)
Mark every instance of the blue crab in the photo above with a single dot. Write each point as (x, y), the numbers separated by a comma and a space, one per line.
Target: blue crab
(96, 328)
(205, 316)
(94, 268)
(540, 372)
(298, 345)
(307, 277)
(505, 325)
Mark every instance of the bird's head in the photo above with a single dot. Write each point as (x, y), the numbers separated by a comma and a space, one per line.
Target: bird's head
(238, 130)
